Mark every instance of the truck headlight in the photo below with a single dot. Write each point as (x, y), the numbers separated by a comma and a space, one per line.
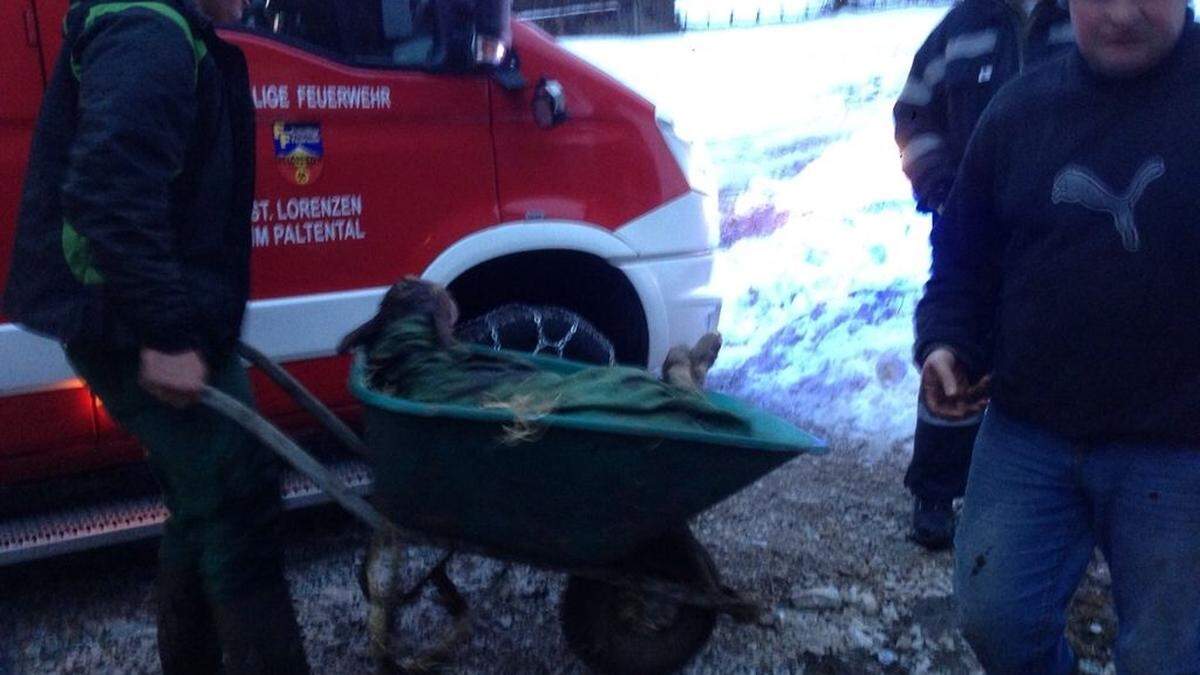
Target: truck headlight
(692, 158)
(700, 173)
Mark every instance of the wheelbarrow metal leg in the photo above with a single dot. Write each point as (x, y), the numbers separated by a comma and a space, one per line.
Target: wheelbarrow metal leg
(305, 399)
(384, 595)
(277, 441)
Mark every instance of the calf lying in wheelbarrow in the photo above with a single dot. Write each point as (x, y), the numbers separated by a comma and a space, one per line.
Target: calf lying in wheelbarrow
(590, 470)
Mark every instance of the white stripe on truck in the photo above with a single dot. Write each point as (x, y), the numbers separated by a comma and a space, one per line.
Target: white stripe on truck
(286, 329)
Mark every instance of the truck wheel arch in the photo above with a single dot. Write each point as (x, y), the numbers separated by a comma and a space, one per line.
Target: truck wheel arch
(569, 265)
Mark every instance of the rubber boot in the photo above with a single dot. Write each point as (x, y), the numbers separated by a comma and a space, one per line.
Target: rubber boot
(259, 634)
(187, 636)
(933, 524)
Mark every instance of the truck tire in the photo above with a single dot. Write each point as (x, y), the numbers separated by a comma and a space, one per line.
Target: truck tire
(546, 330)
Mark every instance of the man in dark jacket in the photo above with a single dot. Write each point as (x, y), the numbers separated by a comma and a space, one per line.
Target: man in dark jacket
(980, 45)
(1066, 266)
(133, 249)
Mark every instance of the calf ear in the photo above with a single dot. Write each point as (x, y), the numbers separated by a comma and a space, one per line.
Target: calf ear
(445, 315)
(362, 336)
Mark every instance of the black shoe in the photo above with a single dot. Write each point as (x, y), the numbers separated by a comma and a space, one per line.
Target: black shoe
(187, 637)
(933, 524)
(259, 634)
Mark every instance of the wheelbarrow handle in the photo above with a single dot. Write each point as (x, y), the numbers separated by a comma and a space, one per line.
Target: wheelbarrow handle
(305, 399)
(270, 436)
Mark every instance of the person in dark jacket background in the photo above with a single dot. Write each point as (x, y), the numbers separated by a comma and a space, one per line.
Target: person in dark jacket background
(1065, 265)
(133, 250)
(978, 46)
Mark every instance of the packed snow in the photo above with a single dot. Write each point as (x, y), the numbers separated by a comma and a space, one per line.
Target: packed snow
(826, 254)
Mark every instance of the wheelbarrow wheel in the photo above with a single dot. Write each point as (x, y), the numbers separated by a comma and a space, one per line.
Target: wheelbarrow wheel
(617, 630)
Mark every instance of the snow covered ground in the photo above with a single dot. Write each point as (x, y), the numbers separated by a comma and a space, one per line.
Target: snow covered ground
(828, 254)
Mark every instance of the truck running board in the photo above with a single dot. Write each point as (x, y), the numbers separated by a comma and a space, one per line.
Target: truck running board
(107, 523)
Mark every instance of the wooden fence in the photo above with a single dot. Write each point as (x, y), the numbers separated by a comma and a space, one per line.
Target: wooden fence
(745, 13)
(574, 17)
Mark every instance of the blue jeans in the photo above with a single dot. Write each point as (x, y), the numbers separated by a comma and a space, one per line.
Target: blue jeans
(1036, 506)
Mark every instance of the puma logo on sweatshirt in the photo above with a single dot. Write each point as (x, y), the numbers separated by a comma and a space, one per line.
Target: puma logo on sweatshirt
(1077, 185)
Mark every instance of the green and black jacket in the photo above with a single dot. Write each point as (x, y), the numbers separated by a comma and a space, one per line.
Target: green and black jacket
(134, 228)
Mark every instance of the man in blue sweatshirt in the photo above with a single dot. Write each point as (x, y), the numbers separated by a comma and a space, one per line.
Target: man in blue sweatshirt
(1067, 265)
(976, 49)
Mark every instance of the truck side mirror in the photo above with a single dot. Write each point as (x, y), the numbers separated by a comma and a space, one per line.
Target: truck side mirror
(493, 24)
(472, 33)
(549, 104)
(493, 43)
(508, 73)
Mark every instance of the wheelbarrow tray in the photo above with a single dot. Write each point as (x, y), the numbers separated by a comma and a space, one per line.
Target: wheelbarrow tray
(587, 490)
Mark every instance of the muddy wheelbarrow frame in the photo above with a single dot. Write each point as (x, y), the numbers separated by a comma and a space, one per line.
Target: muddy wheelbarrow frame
(649, 609)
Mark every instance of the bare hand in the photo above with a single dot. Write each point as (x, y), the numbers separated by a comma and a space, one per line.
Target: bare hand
(945, 389)
(174, 379)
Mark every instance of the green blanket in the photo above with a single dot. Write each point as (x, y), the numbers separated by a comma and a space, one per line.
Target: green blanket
(406, 361)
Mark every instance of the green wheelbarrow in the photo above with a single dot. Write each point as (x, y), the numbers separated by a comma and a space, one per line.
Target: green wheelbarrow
(605, 499)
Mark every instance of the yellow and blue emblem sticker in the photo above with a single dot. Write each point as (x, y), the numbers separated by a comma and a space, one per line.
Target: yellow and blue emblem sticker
(299, 151)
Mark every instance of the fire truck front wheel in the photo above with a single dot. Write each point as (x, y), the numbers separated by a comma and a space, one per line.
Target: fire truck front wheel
(540, 329)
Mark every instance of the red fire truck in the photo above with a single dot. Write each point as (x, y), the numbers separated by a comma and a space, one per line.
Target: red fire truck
(393, 138)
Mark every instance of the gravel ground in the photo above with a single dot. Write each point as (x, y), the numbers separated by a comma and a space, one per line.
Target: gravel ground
(821, 541)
